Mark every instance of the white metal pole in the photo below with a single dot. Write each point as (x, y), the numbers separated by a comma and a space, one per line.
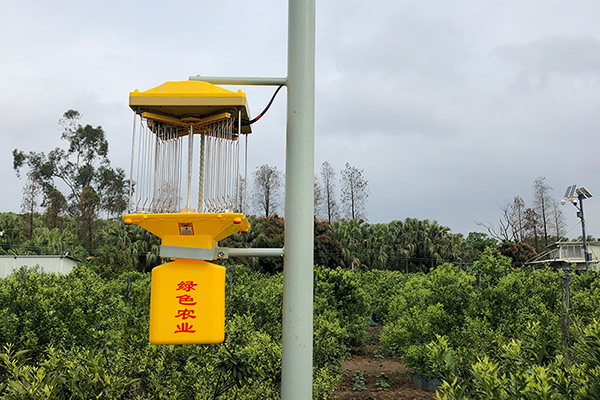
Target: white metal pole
(297, 347)
(231, 80)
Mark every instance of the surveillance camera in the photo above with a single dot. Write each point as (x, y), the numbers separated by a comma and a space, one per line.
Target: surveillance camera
(562, 202)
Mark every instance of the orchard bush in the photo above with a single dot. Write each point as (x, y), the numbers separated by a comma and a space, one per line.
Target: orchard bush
(82, 335)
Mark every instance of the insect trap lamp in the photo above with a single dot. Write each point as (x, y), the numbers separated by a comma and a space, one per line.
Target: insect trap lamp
(185, 171)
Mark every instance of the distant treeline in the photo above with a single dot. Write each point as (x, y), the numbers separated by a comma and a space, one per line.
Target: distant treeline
(411, 245)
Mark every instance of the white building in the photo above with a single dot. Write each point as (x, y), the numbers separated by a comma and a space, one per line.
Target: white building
(56, 264)
(570, 255)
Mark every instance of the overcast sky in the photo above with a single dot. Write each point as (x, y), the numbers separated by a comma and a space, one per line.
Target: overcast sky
(451, 108)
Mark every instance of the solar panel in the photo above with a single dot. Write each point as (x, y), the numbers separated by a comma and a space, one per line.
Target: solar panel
(582, 192)
(570, 191)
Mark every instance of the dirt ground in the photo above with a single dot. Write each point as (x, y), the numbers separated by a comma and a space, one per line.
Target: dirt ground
(399, 377)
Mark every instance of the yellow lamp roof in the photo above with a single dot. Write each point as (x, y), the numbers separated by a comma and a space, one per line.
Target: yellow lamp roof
(186, 99)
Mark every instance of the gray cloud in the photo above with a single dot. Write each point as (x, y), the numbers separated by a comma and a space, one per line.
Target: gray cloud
(542, 62)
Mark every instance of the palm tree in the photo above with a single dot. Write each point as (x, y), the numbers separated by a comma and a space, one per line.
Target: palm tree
(350, 234)
(436, 241)
(50, 241)
(115, 232)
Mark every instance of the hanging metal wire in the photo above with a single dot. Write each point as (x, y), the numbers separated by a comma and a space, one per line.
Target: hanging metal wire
(221, 167)
(156, 167)
(161, 156)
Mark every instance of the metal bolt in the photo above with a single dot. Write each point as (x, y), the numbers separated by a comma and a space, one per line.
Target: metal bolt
(221, 254)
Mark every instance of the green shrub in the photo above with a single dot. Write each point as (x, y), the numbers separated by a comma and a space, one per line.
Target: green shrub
(338, 293)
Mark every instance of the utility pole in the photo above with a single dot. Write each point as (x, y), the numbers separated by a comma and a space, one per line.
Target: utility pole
(297, 349)
(297, 346)
(582, 194)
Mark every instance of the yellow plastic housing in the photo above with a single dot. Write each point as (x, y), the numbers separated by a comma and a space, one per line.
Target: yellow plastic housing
(185, 99)
(199, 230)
(187, 303)
(187, 297)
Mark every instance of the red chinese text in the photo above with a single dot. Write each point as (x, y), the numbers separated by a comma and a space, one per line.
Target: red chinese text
(186, 300)
(186, 285)
(185, 327)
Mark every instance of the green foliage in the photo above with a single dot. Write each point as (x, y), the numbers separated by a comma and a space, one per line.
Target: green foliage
(514, 374)
(340, 309)
(330, 341)
(338, 291)
(258, 295)
(487, 331)
(82, 336)
(380, 287)
(490, 267)
(443, 322)
(519, 252)
(84, 168)
(429, 304)
(39, 310)
(382, 382)
(11, 231)
(325, 381)
(110, 262)
(245, 358)
(409, 245)
(263, 233)
(359, 380)
(378, 353)
(478, 242)
(327, 246)
(495, 331)
(77, 374)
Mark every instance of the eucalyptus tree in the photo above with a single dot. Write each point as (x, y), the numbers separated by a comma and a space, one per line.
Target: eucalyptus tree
(532, 224)
(30, 203)
(89, 204)
(318, 199)
(56, 205)
(558, 221)
(83, 164)
(268, 182)
(542, 203)
(328, 192)
(355, 192)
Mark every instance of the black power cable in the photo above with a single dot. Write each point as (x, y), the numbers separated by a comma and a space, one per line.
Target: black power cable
(259, 116)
